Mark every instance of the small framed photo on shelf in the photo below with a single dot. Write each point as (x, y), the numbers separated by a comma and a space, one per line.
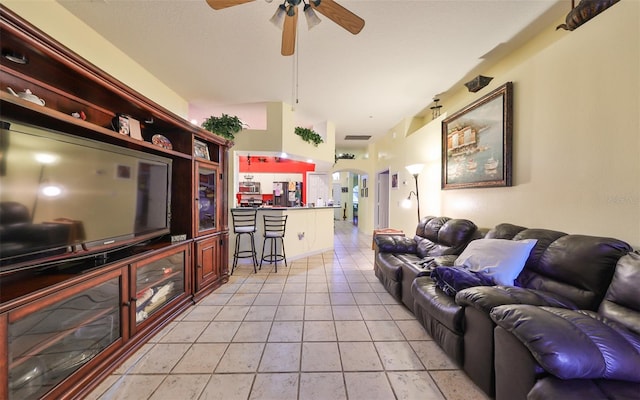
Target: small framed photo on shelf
(134, 129)
(120, 124)
(200, 150)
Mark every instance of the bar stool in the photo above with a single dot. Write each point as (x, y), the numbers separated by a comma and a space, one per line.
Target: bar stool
(274, 227)
(244, 223)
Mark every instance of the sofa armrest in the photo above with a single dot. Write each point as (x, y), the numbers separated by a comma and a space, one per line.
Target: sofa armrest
(485, 298)
(573, 344)
(395, 244)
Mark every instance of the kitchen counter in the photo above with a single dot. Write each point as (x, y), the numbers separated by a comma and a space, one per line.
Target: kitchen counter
(267, 208)
(309, 230)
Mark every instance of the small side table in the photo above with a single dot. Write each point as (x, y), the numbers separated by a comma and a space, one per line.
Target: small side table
(385, 231)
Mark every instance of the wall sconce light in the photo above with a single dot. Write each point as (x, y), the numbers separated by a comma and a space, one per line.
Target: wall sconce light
(478, 83)
(414, 169)
(435, 109)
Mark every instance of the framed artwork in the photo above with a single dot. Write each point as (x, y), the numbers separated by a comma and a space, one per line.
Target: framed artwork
(364, 182)
(366, 192)
(361, 192)
(123, 172)
(476, 142)
(200, 150)
(394, 181)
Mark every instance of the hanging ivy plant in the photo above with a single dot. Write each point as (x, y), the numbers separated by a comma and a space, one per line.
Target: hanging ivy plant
(226, 125)
(309, 135)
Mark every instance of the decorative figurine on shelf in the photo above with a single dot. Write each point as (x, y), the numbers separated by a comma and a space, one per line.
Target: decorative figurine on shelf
(27, 95)
(80, 115)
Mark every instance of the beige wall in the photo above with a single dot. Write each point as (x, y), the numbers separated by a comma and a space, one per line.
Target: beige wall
(57, 22)
(576, 138)
(576, 134)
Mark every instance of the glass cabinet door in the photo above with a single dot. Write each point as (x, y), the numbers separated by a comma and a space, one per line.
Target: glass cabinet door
(49, 344)
(206, 197)
(157, 283)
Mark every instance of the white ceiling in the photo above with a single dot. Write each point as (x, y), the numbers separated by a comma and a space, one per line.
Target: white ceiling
(229, 60)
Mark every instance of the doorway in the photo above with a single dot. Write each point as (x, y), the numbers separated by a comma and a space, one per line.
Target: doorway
(382, 200)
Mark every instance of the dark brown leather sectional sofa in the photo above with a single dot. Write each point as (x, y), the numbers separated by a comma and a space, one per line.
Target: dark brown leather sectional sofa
(562, 271)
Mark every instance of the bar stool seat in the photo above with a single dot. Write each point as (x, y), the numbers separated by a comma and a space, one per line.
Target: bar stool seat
(244, 223)
(274, 229)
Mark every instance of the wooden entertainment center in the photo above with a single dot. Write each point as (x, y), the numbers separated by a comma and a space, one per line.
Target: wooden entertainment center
(63, 328)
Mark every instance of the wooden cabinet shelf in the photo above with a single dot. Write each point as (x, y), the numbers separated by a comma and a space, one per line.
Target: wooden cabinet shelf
(56, 120)
(69, 317)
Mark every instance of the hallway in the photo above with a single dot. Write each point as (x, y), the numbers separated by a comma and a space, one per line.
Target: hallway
(324, 328)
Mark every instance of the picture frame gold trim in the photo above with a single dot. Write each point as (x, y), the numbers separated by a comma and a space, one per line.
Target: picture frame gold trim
(477, 142)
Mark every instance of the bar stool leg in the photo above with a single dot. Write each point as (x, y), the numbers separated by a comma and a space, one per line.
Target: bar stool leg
(236, 253)
(253, 253)
(264, 245)
(274, 254)
(284, 255)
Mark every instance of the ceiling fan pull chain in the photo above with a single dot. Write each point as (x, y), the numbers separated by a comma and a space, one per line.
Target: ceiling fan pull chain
(297, 71)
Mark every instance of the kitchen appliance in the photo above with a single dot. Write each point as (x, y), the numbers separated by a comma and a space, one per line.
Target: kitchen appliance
(287, 194)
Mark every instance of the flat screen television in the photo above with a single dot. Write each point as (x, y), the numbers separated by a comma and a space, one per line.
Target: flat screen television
(67, 196)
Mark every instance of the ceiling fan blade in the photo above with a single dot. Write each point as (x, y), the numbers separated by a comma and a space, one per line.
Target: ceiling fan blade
(220, 4)
(289, 34)
(339, 15)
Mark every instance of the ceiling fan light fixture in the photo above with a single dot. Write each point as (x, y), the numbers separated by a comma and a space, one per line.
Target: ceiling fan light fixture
(278, 17)
(311, 16)
(291, 11)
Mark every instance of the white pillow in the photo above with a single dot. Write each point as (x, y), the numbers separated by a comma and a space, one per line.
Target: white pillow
(500, 259)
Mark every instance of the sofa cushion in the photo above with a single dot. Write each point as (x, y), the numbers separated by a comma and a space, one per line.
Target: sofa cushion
(500, 259)
(389, 265)
(573, 344)
(622, 303)
(437, 304)
(504, 231)
(578, 267)
(429, 226)
(443, 236)
(395, 244)
(580, 389)
(484, 298)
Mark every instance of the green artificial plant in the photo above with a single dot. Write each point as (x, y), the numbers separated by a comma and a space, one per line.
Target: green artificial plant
(226, 125)
(309, 135)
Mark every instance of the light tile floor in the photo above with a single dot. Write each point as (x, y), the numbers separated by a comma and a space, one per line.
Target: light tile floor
(323, 328)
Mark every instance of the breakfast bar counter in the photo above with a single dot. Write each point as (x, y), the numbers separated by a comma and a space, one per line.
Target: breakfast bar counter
(309, 230)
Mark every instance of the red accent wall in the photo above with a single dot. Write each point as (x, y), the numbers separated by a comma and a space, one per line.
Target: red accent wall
(263, 164)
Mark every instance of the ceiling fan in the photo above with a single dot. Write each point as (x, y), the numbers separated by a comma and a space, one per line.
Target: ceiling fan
(287, 11)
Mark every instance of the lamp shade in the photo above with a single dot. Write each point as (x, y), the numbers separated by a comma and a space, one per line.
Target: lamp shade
(415, 169)
(312, 17)
(278, 16)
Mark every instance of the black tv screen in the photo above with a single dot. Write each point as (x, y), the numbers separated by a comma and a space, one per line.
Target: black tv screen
(62, 194)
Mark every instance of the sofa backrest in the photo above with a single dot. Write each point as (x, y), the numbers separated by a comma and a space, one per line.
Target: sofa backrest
(504, 231)
(577, 267)
(622, 303)
(13, 213)
(438, 236)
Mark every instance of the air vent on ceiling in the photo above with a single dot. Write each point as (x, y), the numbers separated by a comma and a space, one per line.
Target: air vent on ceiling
(357, 137)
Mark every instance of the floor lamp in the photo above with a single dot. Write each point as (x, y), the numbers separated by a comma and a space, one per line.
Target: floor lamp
(415, 169)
